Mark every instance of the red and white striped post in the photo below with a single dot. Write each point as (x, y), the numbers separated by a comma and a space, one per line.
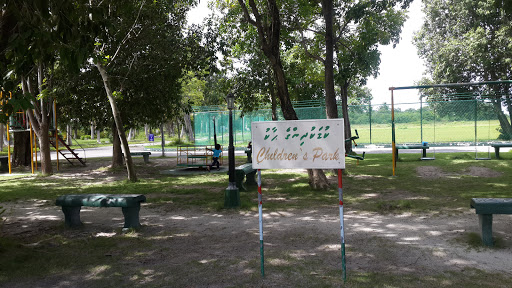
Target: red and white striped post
(342, 226)
(260, 211)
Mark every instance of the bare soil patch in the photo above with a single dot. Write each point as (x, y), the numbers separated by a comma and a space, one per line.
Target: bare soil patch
(201, 248)
(433, 172)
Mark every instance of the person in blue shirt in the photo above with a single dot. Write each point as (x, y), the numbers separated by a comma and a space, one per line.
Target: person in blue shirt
(215, 157)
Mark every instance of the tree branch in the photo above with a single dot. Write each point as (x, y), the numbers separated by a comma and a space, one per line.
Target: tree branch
(127, 36)
(306, 50)
(247, 17)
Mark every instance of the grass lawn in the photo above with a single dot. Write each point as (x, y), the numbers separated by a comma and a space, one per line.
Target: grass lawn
(369, 189)
(460, 131)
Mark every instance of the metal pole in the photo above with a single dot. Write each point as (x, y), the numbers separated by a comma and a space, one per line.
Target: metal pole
(393, 145)
(370, 110)
(231, 151)
(476, 119)
(421, 118)
(260, 212)
(232, 194)
(342, 226)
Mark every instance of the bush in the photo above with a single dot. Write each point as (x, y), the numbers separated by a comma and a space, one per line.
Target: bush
(175, 141)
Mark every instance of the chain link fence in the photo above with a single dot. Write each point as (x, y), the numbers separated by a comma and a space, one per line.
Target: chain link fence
(460, 122)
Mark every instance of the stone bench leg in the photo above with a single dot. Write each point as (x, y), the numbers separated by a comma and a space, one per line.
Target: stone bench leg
(485, 221)
(131, 217)
(72, 216)
(424, 154)
(146, 158)
(497, 152)
(239, 180)
(250, 178)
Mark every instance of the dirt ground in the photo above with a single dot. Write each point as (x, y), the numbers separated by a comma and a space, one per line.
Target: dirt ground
(197, 248)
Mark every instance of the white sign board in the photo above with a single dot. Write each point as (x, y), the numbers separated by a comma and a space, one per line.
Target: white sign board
(308, 144)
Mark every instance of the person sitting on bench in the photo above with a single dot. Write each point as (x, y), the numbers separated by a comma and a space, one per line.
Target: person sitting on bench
(215, 157)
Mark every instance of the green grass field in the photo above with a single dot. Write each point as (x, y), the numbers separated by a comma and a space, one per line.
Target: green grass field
(462, 131)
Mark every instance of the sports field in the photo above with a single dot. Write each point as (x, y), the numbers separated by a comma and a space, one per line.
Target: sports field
(445, 132)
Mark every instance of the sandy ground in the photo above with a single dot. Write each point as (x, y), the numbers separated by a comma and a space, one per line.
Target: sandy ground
(228, 240)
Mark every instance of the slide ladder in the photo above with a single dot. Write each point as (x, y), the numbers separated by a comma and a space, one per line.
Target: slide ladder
(69, 153)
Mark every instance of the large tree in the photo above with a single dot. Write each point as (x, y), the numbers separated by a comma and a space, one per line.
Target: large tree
(467, 41)
(34, 34)
(265, 19)
(116, 37)
(344, 37)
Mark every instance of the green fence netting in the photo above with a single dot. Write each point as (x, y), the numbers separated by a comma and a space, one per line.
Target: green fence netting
(457, 122)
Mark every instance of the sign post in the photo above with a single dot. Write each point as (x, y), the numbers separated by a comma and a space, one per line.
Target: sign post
(301, 144)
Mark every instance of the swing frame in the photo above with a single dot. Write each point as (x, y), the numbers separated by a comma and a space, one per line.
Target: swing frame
(448, 85)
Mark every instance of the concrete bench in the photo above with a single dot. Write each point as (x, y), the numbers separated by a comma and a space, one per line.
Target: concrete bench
(4, 163)
(497, 147)
(422, 147)
(245, 171)
(130, 204)
(485, 208)
(143, 154)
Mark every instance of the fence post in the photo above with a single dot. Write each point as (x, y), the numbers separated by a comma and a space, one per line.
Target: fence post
(370, 111)
(476, 119)
(421, 118)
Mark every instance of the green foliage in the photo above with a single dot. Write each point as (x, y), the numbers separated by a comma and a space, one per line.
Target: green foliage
(463, 41)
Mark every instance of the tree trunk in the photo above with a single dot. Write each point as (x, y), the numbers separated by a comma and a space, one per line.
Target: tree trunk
(331, 109)
(21, 155)
(504, 124)
(146, 131)
(172, 129)
(182, 134)
(2, 129)
(117, 152)
(69, 133)
(119, 123)
(188, 127)
(39, 119)
(272, 93)
(98, 136)
(317, 179)
(92, 130)
(269, 37)
(130, 134)
(163, 138)
(346, 119)
(270, 45)
(509, 108)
